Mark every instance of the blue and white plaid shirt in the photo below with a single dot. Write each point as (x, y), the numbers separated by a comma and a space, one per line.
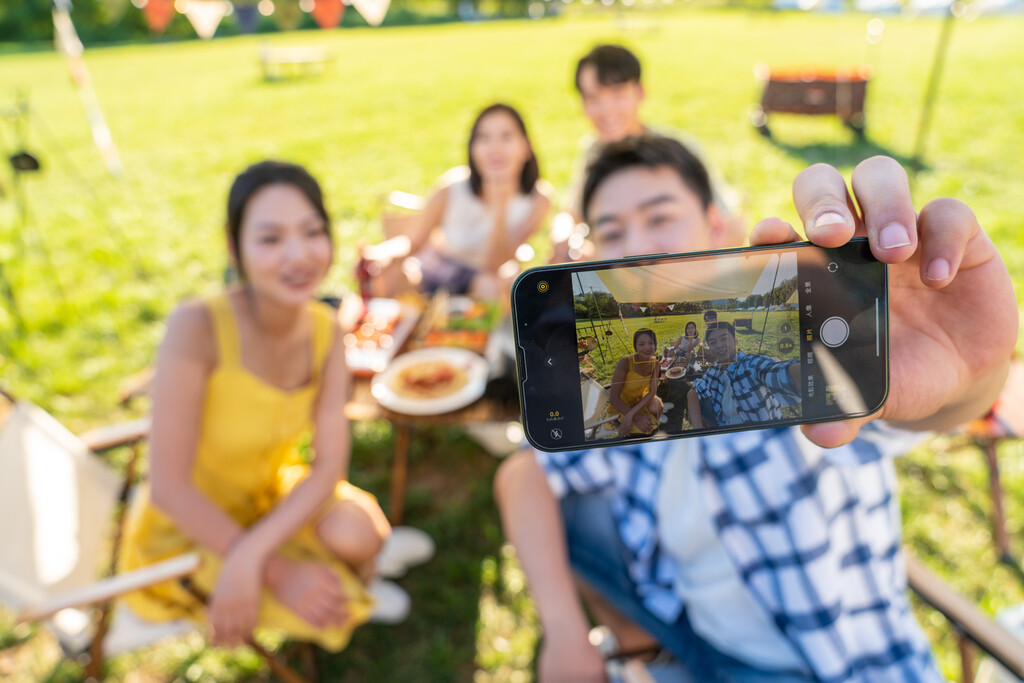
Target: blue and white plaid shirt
(759, 386)
(814, 534)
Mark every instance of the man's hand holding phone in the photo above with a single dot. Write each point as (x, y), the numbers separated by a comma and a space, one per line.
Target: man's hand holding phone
(953, 313)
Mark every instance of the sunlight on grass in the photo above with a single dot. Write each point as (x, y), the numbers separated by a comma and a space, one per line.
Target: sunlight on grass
(507, 627)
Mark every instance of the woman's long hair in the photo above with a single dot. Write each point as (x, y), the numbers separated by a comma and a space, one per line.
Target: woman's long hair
(531, 169)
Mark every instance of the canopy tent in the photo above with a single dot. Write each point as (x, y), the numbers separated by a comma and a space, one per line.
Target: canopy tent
(698, 280)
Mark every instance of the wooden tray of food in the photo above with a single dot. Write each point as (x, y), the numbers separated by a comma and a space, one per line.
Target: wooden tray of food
(377, 334)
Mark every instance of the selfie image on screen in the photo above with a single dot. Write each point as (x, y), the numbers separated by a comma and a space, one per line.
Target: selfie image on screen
(675, 347)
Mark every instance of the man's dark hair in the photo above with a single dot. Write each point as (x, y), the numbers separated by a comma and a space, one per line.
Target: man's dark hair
(710, 313)
(648, 151)
(614, 64)
(719, 326)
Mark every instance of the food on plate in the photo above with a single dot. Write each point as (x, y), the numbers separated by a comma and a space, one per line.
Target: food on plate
(374, 332)
(377, 335)
(675, 373)
(429, 379)
(463, 339)
(459, 322)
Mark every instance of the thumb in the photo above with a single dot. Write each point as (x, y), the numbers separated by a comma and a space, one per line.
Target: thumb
(834, 434)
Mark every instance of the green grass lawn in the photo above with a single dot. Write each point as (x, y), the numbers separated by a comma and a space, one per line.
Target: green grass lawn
(96, 263)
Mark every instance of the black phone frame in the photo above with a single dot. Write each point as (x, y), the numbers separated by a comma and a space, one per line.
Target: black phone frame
(558, 362)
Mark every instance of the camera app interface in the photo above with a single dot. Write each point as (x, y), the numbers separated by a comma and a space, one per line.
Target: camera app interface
(681, 346)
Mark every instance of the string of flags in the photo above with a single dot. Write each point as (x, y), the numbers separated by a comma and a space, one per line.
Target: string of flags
(68, 44)
(206, 15)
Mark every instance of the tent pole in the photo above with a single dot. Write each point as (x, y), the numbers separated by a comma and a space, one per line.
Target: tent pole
(768, 307)
(593, 300)
(931, 91)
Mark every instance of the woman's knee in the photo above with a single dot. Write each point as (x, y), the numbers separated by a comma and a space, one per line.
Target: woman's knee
(354, 530)
(657, 406)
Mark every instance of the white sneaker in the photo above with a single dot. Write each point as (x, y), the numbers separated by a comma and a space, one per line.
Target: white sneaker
(393, 603)
(406, 547)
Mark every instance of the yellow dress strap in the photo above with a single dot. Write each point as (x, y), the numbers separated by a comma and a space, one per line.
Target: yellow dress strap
(225, 328)
(323, 336)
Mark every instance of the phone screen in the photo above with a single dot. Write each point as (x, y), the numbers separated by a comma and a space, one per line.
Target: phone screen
(671, 346)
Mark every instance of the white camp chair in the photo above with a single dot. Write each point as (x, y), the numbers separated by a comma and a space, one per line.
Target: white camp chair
(57, 501)
(595, 403)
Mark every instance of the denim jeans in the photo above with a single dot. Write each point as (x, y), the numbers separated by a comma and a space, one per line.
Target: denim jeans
(598, 556)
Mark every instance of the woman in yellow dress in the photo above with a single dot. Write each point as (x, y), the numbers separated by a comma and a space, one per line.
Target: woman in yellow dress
(633, 388)
(241, 377)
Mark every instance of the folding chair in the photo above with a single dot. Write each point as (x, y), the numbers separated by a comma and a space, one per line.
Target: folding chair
(970, 623)
(595, 403)
(56, 504)
(1004, 421)
(398, 214)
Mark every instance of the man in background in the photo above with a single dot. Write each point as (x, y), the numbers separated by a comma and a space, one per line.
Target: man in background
(608, 82)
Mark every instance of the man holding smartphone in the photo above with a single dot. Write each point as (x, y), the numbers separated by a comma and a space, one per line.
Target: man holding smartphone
(769, 555)
(740, 387)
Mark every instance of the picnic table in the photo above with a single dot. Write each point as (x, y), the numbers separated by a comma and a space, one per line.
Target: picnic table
(363, 406)
(499, 402)
(814, 92)
(290, 62)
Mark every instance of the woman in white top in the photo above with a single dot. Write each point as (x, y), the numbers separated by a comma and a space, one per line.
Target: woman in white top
(473, 224)
(689, 346)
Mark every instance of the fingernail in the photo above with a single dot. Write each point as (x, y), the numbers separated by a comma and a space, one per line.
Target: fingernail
(892, 236)
(938, 270)
(826, 219)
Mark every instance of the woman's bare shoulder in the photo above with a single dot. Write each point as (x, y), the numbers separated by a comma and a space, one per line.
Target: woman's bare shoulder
(190, 331)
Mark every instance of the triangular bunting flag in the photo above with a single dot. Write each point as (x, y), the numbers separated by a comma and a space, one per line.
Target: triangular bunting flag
(158, 14)
(205, 16)
(287, 14)
(247, 16)
(328, 13)
(373, 11)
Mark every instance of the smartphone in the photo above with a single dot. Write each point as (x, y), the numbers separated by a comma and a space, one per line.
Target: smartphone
(683, 345)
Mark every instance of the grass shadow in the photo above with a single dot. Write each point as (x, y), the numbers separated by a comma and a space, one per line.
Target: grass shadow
(450, 498)
(844, 155)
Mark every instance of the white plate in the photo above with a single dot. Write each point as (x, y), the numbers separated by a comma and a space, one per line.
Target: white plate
(476, 368)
